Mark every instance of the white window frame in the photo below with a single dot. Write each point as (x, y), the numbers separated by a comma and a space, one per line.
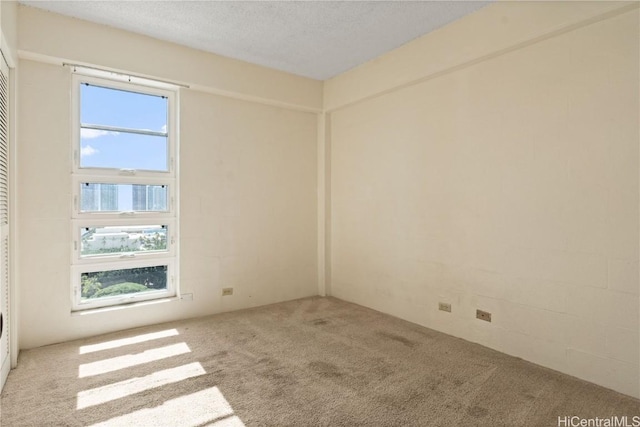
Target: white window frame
(80, 219)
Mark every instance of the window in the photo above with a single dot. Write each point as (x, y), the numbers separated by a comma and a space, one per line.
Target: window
(124, 192)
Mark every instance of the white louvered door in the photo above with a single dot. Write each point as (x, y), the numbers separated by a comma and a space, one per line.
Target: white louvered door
(5, 360)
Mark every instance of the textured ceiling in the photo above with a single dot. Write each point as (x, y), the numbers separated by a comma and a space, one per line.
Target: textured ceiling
(317, 39)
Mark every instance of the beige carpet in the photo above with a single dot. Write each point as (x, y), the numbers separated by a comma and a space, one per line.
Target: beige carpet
(310, 362)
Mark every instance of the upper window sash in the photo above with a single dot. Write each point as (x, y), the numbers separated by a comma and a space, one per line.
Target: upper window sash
(106, 135)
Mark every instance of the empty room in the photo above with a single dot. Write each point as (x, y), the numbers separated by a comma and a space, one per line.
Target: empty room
(319, 213)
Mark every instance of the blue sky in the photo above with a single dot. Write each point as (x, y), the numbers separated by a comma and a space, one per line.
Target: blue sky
(110, 107)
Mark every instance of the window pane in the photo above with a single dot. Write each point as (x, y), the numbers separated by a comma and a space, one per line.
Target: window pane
(122, 150)
(96, 197)
(119, 108)
(103, 284)
(112, 240)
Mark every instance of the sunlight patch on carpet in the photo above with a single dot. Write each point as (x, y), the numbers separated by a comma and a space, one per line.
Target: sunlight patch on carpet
(132, 386)
(129, 360)
(127, 341)
(205, 407)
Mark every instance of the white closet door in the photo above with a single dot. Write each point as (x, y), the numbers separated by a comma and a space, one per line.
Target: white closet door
(5, 360)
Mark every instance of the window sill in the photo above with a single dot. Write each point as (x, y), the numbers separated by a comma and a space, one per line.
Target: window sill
(123, 306)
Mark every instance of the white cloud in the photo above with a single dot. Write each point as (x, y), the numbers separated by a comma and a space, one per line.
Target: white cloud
(94, 133)
(88, 151)
(164, 128)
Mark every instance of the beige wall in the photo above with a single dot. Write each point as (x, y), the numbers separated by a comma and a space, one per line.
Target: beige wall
(507, 184)
(247, 202)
